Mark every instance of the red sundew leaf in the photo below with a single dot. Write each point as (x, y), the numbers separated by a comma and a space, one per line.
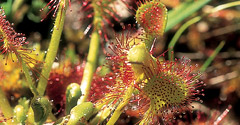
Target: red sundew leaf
(13, 45)
(12, 42)
(170, 89)
(100, 86)
(122, 75)
(152, 16)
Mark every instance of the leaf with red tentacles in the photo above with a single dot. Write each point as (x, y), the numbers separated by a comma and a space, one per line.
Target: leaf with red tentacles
(12, 44)
(166, 88)
(107, 11)
(53, 6)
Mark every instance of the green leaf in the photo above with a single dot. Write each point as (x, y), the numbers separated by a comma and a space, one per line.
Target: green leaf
(7, 6)
(183, 11)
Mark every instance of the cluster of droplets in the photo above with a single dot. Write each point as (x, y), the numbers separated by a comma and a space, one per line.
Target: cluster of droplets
(10, 40)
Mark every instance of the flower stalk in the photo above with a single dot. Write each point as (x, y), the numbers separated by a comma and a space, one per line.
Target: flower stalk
(29, 79)
(92, 57)
(121, 106)
(53, 47)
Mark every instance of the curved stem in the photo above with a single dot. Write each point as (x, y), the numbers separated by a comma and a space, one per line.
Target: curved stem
(178, 34)
(91, 59)
(225, 6)
(121, 106)
(53, 47)
(90, 66)
(213, 55)
(194, 20)
(103, 114)
(29, 79)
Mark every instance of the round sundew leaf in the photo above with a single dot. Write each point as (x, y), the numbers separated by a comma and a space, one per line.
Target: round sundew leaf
(166, 89)
(152, 16)
(170, 87)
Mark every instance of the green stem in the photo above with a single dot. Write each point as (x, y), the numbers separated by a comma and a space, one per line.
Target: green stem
(225, 6)
(90, 66)
(121, 106)
(5, 106)
(103, 114)
(53, 48)
(178, 34)
(16, 5)
(213, 55)
(91, 59)
(29, 79)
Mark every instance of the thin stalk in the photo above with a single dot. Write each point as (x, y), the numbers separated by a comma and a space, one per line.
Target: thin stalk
(101, 116)
(194, 20)
(29, 79)
(91, 59)
(225, 6)
(16, 5)
(213, 55)
(178, 34)
(106, 106)
(121, 106)
(53, 47)
(183, 11)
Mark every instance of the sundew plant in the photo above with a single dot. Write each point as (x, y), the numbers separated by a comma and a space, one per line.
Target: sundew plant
(118, 62)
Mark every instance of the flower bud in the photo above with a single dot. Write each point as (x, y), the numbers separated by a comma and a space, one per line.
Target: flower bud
(41, 108)
(20, 113)
(73, 93)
